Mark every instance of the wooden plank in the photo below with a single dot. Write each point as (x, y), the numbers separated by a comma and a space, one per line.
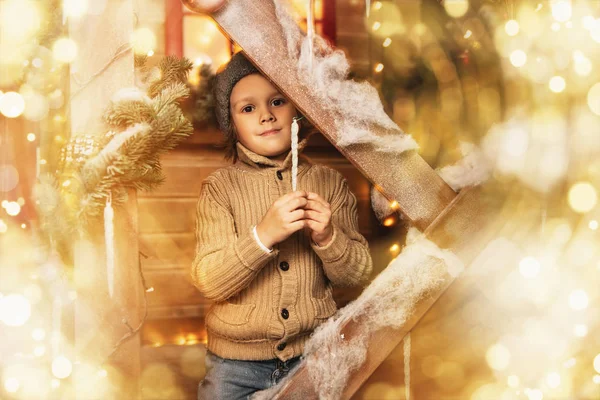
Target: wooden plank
(98, 322)
(172, 288)
(173, 312)
(167, 215)
(162, 249)
(405, 177)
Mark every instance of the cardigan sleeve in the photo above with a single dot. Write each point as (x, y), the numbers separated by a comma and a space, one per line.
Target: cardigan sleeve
(346, 258)
(226, 261)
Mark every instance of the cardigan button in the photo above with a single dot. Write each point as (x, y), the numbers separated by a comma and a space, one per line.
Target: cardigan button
(281, 346)
(284, 266)
(285, 313)
(279, 175)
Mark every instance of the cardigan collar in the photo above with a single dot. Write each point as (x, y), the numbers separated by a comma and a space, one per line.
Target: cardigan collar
(257, 161)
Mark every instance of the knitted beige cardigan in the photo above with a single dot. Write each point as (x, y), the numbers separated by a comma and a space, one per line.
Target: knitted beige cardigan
(267, 304)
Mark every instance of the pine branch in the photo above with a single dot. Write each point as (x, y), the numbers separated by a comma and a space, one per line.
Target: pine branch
(173, 70)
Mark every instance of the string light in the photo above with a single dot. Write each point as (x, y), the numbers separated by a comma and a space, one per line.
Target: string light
(376, 25)
(379, 67)
(389, 221)
(387, 42)
(31, 137)
(593, 225)
(395, 247)
(3, 226)
(597, 363)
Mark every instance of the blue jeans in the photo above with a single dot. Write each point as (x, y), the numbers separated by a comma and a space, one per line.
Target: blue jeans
(238, 380)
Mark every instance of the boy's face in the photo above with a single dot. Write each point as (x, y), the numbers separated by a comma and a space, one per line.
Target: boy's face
(262, 116)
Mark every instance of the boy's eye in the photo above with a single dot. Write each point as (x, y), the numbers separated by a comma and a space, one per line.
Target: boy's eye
(278, 102)
(247, 109)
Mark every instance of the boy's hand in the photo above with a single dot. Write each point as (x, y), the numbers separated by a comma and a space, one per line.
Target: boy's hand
(285, 216)
(318, 219)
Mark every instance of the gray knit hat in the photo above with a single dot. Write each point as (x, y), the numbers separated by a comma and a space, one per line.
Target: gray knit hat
(237, 68)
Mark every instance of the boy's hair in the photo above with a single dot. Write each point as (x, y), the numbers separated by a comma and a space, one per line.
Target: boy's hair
(227, 77)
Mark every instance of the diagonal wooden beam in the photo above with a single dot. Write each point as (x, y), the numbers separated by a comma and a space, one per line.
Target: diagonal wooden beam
(421, 194)
(465, 227)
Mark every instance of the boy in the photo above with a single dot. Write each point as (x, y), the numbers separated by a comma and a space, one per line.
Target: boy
(266, 255)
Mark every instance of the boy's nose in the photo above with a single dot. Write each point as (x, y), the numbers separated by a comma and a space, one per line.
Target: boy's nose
(267, 118)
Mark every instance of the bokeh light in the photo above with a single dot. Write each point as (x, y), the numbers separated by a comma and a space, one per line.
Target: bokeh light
(518, 58)
(498, 357)
(593, 98)
(578, 300)
(597, 363)
(64, 50)
(12, 104)
(62, 367)
(12, 208)
(582, 197)
(580, 330)
(19, 20)
(513, 381)
(456, 8)
(561, 10)
(553, 380)
(9, 178)
(15, 310)
(511, 27)
(75, 8)
(529, 267)
(11, 385)
(143, 40)
(557, 84)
